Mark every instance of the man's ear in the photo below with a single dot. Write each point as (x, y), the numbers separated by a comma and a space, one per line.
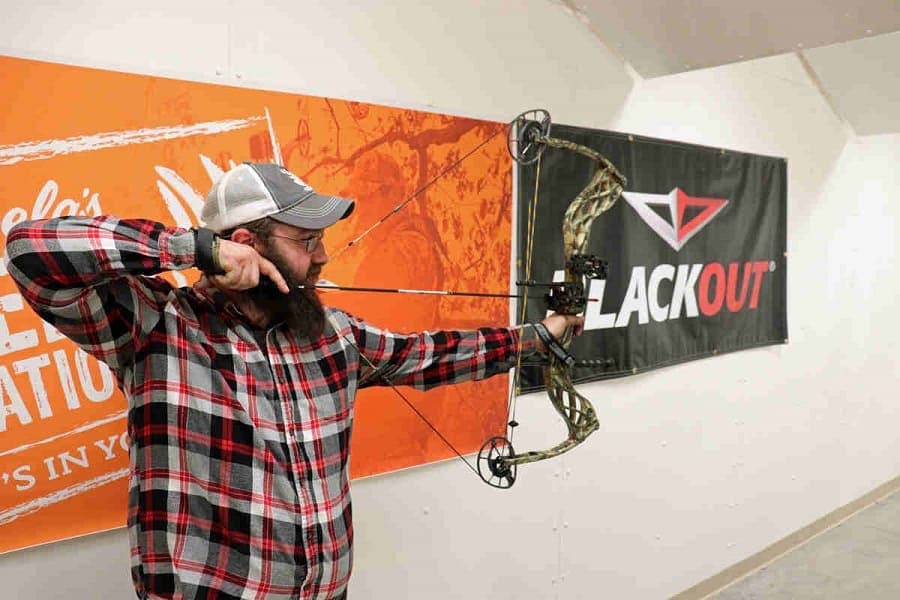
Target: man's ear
(243, 236)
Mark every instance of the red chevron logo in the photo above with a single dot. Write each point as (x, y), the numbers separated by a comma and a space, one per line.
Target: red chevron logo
(666, 214)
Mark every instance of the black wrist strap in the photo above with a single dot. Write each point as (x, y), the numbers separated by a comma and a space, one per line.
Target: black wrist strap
(554, 346)
(205, 247)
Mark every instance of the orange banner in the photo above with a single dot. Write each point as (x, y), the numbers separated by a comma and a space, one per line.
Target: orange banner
(77, 141)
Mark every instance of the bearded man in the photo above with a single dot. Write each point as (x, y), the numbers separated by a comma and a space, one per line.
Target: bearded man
(241, 388)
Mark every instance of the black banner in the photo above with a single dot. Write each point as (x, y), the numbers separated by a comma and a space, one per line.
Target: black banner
(696, 248)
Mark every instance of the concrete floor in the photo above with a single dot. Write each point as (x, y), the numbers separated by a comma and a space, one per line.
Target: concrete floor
(856, 560)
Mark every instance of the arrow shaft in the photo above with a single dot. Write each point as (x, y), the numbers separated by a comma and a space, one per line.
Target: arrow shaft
(346, 288)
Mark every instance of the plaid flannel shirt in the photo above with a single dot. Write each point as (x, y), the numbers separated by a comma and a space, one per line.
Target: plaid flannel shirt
(239, 453)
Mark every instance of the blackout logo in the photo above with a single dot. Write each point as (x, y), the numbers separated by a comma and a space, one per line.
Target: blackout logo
(675, 217)
(665, 292)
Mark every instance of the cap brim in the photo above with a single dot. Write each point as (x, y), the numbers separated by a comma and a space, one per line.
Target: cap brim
(316, 212)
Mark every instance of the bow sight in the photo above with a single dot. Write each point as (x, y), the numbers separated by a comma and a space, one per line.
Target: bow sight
(588, 265)
(568, 297)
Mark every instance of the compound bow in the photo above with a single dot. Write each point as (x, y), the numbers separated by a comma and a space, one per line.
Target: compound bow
(528, 135)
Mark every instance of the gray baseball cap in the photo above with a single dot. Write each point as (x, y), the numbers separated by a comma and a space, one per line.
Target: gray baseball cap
(251, 191)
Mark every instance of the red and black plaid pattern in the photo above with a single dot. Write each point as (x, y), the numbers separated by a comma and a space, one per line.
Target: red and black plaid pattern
(239, 438)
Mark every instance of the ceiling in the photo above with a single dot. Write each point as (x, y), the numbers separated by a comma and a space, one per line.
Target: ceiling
(850, 47)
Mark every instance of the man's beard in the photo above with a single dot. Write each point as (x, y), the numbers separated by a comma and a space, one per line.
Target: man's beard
(300, 309)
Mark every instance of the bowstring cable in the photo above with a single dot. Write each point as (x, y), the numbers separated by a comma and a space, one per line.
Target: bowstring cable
(416, 194)
(408, 402)
(366, 232)
(529, 253)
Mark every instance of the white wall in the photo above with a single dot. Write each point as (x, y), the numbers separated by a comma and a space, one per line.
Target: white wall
(695, 467)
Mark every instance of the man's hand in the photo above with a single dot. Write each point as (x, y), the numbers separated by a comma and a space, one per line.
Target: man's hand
(557, 325)
(243, 266)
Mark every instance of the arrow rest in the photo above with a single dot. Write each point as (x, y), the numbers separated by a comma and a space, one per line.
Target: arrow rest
(563, 297)
(566, 298)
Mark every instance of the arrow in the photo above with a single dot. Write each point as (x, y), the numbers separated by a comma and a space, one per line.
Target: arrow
(324, 284)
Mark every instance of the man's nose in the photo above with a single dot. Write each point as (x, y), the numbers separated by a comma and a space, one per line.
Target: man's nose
(319, 255)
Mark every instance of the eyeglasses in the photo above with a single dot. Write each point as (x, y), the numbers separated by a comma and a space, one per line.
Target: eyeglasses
(312, 242)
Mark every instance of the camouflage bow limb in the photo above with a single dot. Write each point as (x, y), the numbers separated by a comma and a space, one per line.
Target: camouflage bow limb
(498, 461)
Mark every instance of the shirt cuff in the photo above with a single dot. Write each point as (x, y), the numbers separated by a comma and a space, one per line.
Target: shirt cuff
(176, 249)
(529, 342)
